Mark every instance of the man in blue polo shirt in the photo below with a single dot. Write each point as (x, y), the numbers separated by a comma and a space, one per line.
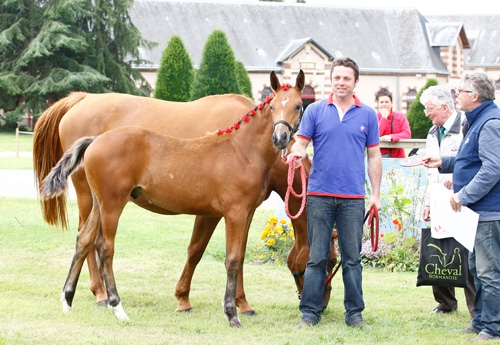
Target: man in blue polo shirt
(341, 129)
(476, 184)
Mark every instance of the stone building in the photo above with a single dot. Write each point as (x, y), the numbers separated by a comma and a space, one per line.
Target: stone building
(395, 47)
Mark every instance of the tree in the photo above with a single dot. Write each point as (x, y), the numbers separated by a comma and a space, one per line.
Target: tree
(244, 83)
(217, 73)
(419, 123)
(175, 75)
(50, 48)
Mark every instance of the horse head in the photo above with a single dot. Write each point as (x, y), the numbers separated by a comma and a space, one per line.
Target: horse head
(286, 108)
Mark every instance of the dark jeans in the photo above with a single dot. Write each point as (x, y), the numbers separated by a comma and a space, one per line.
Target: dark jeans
(347, 216)
(484, 264)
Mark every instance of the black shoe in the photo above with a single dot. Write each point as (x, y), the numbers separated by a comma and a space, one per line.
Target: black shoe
(305, 324)
(440, 311)
(465, 330)
(480, 338)
(359, 324)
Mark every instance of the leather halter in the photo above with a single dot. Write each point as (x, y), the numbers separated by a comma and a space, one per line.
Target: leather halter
(293, 129)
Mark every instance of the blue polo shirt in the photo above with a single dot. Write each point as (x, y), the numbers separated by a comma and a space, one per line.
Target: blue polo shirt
(338, 165)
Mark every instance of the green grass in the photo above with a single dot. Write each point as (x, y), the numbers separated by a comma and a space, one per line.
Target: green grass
(149, 257)
(8, 144)
(150, 254)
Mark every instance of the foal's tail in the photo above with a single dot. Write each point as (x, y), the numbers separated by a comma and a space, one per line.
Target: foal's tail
(47, 151)
(56, 182)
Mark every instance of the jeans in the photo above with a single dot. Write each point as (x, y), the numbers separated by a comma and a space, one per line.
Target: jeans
(484, 264)
(323, 214)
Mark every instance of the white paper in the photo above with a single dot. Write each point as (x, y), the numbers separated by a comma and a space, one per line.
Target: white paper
(447, 223)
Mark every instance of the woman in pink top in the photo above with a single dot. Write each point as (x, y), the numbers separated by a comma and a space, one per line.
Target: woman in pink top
(393, 125)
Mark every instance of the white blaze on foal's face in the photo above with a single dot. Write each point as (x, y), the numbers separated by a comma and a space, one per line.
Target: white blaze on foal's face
(283, 103)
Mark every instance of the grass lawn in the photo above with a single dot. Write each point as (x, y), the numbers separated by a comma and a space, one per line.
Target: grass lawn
(8, 146)
(150, 254)
(149, 257)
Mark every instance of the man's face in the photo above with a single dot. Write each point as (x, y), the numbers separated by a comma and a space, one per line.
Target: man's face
(464, 97)
(343, 81)
(438, 114)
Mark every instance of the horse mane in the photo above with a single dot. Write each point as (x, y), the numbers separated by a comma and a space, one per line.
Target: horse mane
(245, 118)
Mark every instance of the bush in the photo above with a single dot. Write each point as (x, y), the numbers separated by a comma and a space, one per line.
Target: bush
(419, 123)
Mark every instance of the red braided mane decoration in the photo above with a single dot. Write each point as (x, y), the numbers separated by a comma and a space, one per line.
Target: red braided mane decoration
(247, 116)
(285, 87)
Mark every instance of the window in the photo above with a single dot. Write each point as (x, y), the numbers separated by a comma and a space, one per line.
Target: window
(411, 95)
(308, 96)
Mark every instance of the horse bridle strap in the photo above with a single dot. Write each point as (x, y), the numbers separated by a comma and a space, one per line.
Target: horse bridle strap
(292, 129)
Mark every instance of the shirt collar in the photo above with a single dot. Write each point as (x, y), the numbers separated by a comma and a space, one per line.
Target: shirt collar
(357, 102)
(451, 120)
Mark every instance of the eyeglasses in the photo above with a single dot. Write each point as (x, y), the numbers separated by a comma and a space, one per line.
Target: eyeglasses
(428, 111)
(457, 91)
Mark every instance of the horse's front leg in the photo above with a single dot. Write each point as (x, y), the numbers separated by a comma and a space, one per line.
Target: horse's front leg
(84, 244)
(105, 246)
(237, 227)
(202, 232)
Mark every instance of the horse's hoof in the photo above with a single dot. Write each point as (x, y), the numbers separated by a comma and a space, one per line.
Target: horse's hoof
(235, 322)
(65, 306)
(119, 312)
(177, 310)
(249, 313)
(103, 303)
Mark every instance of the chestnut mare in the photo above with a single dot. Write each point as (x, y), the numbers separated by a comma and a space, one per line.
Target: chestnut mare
(219, 175)
(81, 114)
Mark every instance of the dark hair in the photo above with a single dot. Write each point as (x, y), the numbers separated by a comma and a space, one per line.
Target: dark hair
(383, 91)
(346, 62)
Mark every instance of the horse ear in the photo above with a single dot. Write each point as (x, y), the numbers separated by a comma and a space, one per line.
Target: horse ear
(300, 81)
(275, 83)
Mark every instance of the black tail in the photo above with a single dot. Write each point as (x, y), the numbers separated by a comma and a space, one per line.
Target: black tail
(56, 181)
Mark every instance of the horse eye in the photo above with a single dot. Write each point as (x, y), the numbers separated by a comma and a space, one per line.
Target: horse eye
(298, 107)
(271, 107)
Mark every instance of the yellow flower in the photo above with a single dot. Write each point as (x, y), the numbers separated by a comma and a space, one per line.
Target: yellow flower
(275, 241)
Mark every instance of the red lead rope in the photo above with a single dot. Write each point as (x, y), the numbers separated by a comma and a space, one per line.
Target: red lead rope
(372, 217)
(291, 172)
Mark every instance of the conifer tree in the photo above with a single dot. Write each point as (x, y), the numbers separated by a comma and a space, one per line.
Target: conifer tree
(175, 75)
(244, 83)
(51, 48)
(419, 123)
(217, 73)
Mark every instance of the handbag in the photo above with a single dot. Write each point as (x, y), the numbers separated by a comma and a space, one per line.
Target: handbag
(442, 261)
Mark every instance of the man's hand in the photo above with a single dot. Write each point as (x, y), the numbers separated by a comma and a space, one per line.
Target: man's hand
(432, 161)
(426, 213)
(455, 203)
(298, 161)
